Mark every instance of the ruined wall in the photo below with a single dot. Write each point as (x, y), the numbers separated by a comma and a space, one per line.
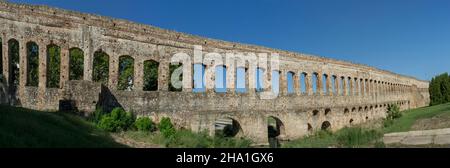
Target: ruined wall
(300, 113)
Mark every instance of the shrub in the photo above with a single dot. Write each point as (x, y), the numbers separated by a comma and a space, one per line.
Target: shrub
(393, 112)
(356, 136)
(166, 127)
(96, 116)
(117, 120)
(144, 124)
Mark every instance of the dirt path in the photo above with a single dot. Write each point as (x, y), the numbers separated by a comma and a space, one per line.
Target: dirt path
(424, 137)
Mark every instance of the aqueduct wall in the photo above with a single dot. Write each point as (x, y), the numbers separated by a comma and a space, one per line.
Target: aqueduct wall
(352, 93)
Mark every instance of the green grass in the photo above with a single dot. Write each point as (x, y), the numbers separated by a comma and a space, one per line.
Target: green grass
(187, 139)
(408, 118)
(349, 137)
(20, 127)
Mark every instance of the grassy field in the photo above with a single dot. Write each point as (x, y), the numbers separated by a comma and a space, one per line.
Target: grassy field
(412, 117)
(422, 118)
(21, 127)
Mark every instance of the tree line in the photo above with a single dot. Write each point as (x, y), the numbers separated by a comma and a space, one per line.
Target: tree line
(440, 89)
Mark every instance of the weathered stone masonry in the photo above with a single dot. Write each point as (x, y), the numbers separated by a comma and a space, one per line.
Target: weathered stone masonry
(361, 93)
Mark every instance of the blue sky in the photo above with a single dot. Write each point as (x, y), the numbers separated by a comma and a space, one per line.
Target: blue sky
(410, 37)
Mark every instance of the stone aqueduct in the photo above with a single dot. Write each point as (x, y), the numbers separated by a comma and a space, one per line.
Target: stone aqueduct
(352, 93)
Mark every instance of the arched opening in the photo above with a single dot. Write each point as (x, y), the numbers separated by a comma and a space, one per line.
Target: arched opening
(126, 73)
(240, 80)
(315, 82)
(346, 111)
(76, 64)
(366, 108)
(227, 127)
(275, 129)
(175, 77)
(309, 127)
(360, 109)
(315, 112)
(342, 86)
(199, 76)
(326, 125)
(14, 75)
(53, 65)
(334, 84)
(151, 68)
(349, 88)
(32, 64)
(327, 111)
(303, 82)
(353, 109)
(275, 81)
(325, 84)
(290, 82)
(100, 71)
(351, 121)
(221, 79)
(259, 79)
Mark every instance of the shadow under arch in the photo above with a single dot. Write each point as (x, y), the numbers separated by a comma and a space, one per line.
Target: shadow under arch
(227, 127)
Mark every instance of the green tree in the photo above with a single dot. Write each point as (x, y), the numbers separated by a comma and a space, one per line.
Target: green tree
(33, 64)
(126, 73)
(439, 89)
(53, 65)
(76, 64)
(100, 71)
(151, 75)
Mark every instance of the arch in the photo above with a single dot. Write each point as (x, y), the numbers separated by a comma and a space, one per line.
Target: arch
(151, 68)
(126, 73)
(177, 70)
(366, 108)
(290, 76)
(32, 64)
(309, 127)
(350, 121)
(53, 65)
(315, 112)
(315, 83)
(100, 68)
(346, 110)
(326, 125)
(349, 86)
(14, 71)
(259, 79)
(334, 84)
(353, 109)
(76, 64)
(275, 129)
(221, 79)
(360, 109)
(342, 86)
(276, 81)
(325, 84)
(199, 78)
(241, 79)
(327, 111)
(303, 78)
(227, 127)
